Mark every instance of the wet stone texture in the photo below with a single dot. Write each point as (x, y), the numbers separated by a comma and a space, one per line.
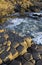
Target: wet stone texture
(9, 7)
(17, 50)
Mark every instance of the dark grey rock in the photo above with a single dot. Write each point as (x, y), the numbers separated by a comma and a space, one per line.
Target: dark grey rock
(39, 62)
(23, 60)
(14, 62)
(4, 64)
(17, 8)
(28, 63)
(4, 55)
(34, 46)
(28, 56)
(36, 56)
(19, 48)
(39, 49)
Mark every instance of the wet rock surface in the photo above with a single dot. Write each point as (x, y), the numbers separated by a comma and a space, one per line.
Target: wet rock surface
(8, 7)
(12, 46)
(18, 6)
(28, 63)
(39, 62)
(14, 62)
(28, 56)
(16, 50)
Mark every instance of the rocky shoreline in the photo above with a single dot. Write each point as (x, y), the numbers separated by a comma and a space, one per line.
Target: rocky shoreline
(32, 57)
(29, 53)
(15, 49)
(21, 6)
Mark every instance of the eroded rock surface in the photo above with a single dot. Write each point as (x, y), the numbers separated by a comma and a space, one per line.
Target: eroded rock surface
(8, 7)
(21, 50)
(12, 45)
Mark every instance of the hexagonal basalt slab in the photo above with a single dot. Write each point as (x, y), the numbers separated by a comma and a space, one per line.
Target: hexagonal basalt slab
(12, 45)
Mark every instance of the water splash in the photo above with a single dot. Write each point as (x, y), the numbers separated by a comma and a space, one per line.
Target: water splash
(26, 26)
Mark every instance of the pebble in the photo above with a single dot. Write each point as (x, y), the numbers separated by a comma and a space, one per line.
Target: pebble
(23, 60)
(36, 56)
(39, 62)
(34, 46)
(14, 62)
(33, 61)
(28, 63)
(39, 49)
(28, 56)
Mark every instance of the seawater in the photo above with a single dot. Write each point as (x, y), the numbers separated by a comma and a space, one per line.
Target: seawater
(27, 26)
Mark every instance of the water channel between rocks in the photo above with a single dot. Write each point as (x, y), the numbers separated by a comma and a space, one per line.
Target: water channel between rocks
(26, 26)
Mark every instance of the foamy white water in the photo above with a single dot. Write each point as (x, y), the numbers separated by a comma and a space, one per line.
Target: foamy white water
(38, 38)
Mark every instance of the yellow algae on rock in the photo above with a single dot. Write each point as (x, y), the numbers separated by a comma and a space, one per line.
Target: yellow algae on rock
(2, 30)
(0, 61)
(13, 46)
(5, 7)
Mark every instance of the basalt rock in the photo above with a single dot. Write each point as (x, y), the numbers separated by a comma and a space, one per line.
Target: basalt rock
(17, 50)
(15, 63)
(8, 7)
(12, 45)
(39, 62)
(28, 63)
